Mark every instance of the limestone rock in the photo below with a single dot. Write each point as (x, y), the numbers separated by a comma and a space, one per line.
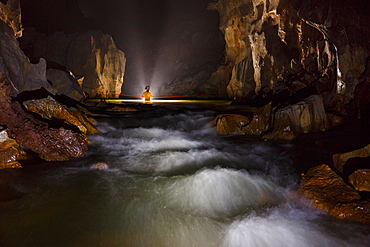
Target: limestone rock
(261, 121)
(355, 211)
(22, 75)
(10, 13)
(326, 189)
(341, 159)
(65, 84)
(10, 152)
(295, 44)
(227, 124)
(360, 179)
(93, 57)
(51, 144)
(99, 166)
(307, 116)
(49, 108)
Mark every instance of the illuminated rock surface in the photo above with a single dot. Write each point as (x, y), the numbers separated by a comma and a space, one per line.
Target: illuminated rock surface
(360, 179)
(10, 152)
(50, 144)
(93, 57)
(11, 14)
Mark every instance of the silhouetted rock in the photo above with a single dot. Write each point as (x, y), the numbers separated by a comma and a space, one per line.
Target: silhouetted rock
(22, 75)
(65, 84)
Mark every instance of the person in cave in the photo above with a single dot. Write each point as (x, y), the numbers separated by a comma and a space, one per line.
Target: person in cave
(147, 95)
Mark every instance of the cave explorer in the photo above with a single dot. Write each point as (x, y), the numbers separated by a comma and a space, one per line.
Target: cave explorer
(147, 95)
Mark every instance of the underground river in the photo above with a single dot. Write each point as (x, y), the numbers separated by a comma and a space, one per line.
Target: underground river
(169, 180)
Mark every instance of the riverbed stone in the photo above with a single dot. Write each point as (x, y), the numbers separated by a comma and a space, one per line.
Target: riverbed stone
(354, 211)
(49, 108)
(306, 116)
(341, 159)
(360, 179)
(227, 124)
(10, 152)
(325, 189)
(51, 144)
(261, 121)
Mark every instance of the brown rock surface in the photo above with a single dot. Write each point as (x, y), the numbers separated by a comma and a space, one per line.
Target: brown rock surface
(227, 124)
(355, 211)
(307, 116)
(341, 159)
(10, 13)
(360, 179)
(261, 122)
(10, 152)
(50, 144)
(326, 189)
(49, 108)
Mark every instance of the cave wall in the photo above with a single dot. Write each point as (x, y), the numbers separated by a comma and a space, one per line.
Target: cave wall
(277, 45)
(92, 57)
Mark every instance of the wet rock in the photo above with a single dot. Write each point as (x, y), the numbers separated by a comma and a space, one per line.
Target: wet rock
(50, 144)
(93, 57)
(22, 75)
(326, 189)
(341, 159)
(10, 152)
(261, 121)
(49, 108)
(307, 116)
(354, 211)
(100, 166)
(10, 13)
(360, 179)
(227, 124)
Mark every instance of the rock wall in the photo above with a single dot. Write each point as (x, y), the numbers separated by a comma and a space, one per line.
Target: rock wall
(275, 45)
(93, 58)
(11, 14)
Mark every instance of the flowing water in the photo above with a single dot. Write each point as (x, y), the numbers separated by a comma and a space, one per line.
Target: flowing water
(169, 181)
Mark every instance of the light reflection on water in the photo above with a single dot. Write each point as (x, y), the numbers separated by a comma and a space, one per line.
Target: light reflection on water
(171, 181)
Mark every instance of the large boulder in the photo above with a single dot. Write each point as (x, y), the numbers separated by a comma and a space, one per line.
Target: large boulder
(48, 108)
(329, 192)
(307, 116)
(227, 124)
(93, 57)
(360, 179)
(10, 152)
(49, 143)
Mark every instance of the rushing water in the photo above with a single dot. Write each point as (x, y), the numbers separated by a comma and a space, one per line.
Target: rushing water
(170, 181)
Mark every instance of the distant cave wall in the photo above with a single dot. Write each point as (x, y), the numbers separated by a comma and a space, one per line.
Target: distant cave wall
(273, 44)
(93, 58)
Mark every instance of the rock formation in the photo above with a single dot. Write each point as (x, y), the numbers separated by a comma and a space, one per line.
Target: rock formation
(11, 14)
(275, 45)
(91, 57)
(50, 144)
(22, 75)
